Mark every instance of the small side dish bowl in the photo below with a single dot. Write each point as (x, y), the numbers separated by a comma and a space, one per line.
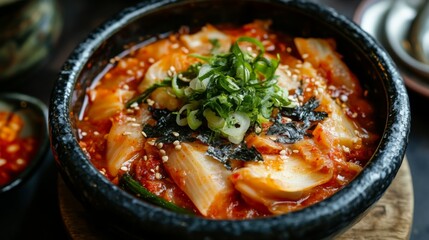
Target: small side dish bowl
(23, 147)
(133, 218)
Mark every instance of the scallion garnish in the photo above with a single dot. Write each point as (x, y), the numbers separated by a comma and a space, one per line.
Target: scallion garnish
(229, 92)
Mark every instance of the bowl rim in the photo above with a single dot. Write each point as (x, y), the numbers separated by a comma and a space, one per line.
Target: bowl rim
(39, 108)
(368, 186)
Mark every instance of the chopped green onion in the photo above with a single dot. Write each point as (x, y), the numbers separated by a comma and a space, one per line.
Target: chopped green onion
(193, 120)
(228, 83)
(144, 95)
(214, 122)
(229, 92)
(236, 127)
(134, 187)
(179, 92)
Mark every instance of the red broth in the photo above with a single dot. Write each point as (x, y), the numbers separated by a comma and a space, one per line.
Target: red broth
(332, 151)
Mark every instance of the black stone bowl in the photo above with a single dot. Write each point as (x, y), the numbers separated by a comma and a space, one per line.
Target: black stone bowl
(134, 218)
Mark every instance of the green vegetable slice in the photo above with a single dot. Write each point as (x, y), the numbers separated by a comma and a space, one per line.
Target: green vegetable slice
(129, 184)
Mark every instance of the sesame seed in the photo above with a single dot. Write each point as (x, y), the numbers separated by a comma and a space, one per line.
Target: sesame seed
(144, 134)
(134, 105)
(288, 49)
(258, 129)
(315, 92)
(158, 175)
(157, 168)
(123, 64)
(295, 78)
(344, 98)
(175, 46)
(270, 47)
(184, 50)
(170, 73)
(151, 60)
(160, 145)
(283, 152)
(126, 133)
(130, 119)
(96, 133)
(150, 102)
(175, 143)
(176, 134)
(124, 168)
(141, 64)
(354, 115)
(152, 170)
(12, 148)
(145, 157)
(130, 72)
(164, 158)
(345, 149)
(287, 120)
(20, 161)
(295, 151)
(83, 134)
(178, 147)
(162, 151)
(135, 124)
(304, 56)
(103, 171)
(2, 162)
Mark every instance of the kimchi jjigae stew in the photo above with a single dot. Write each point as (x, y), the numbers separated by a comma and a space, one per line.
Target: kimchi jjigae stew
(229, 122)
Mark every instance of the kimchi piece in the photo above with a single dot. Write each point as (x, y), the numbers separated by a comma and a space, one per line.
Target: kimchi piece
(16, 152)
(230, 122)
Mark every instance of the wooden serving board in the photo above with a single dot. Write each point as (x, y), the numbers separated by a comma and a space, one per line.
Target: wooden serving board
(390, 218)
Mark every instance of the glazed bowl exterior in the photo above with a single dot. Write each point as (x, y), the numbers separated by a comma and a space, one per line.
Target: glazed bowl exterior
(133, 218)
